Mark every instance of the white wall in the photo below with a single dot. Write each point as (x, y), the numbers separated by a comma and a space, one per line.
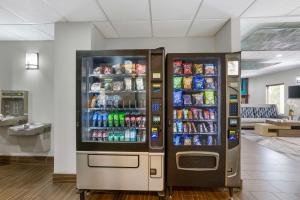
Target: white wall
(257, 86)
(69, 37)
(5, 70)
(98, 41)
(172, 45)
(228, 37)
(39, 83)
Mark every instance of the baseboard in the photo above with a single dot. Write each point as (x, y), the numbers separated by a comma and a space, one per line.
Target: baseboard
(64, 178)
(27, 160)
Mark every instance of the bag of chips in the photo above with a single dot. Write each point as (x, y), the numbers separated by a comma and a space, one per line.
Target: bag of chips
(187, 82)
(198, 99)
(108, 84)
(209, 69)
(177, 99)
(140, 83)
(107, 70)
(185, 113)
(179, 114)
(212, 113)
(209, 83)
(200, 112)
(210, 98)
(187, 68)
(177, 67)
(206, 114)
(118, 85)
(187, 100)
(195, 113)
(177, 82)
(198, 69)
(198, 83)
(179, 126)
(140, 69)
(95, 87)
(118, 69)
(128, 83)
(128, 67)
(190, 114)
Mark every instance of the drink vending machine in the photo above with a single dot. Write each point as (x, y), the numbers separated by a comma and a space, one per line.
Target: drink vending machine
(203, 131)
(120, 120)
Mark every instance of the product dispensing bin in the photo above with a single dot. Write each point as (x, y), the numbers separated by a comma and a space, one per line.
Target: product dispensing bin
(14, 107)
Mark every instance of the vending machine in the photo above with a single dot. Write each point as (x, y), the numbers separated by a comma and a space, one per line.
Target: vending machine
(203, 122)
(120, 120)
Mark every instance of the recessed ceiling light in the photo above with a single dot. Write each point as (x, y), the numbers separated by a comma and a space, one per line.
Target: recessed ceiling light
(279, 55)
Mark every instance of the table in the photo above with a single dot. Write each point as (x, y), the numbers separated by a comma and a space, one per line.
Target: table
(293, 131)
(280, 128)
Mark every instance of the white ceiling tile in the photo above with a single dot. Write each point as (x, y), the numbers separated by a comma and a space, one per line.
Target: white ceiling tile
(206, 27)
(170, 28)
(268, 8)
(107, 29)
(126, 9)
(33, 11)
(296, 12)
(78, 10)
(8, 18)
(223, 9)
(133, 29)
(174, 9)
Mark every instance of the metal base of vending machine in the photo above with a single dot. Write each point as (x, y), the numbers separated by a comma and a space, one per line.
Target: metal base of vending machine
(120, 171)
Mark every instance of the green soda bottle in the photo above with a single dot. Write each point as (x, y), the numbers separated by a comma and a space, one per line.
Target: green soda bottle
(111, 119)
(122, 119)
(116, 120)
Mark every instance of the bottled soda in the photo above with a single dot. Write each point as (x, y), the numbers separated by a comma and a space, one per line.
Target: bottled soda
(104, 136)
(132, 135)
(127, 135)
(111, 120)
(116, 119)
(122, 119)
(209, 140)
(122, 136)
(104, 119)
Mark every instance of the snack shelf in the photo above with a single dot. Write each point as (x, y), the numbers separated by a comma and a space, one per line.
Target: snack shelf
(196, 120)
(197, 133)
(117, 92)
(116, 75)
(194, 106)
(198, 90)
(117, 109)
(116, 128)
(200, 75)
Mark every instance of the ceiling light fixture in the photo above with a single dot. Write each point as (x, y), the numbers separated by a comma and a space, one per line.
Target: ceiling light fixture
(32, 61)
(279, 55)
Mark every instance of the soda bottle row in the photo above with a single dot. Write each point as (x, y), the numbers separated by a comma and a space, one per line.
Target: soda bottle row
(129, 135)
(193, 127)
(188, 140)
(118, 119)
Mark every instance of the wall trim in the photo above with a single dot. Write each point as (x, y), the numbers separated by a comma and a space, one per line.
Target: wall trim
(64, 178)
(27, 160)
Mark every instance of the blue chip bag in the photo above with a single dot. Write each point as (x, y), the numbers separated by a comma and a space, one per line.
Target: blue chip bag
(198, 82)
(177, 98)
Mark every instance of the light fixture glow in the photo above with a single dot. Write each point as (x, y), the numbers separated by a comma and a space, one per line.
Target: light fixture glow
(32, 61)
(279, 55)
(298, 79)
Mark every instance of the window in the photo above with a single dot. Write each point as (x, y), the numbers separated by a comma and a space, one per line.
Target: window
(275, 95)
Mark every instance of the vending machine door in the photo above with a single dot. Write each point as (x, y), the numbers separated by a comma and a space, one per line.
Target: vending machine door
(196, 127)
(112, 106)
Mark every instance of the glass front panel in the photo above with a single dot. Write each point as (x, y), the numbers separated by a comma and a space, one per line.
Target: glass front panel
(195, 101)
(115, 93)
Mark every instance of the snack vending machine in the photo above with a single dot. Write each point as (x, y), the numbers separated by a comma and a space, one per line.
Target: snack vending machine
(120, 120)
(203, 132)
